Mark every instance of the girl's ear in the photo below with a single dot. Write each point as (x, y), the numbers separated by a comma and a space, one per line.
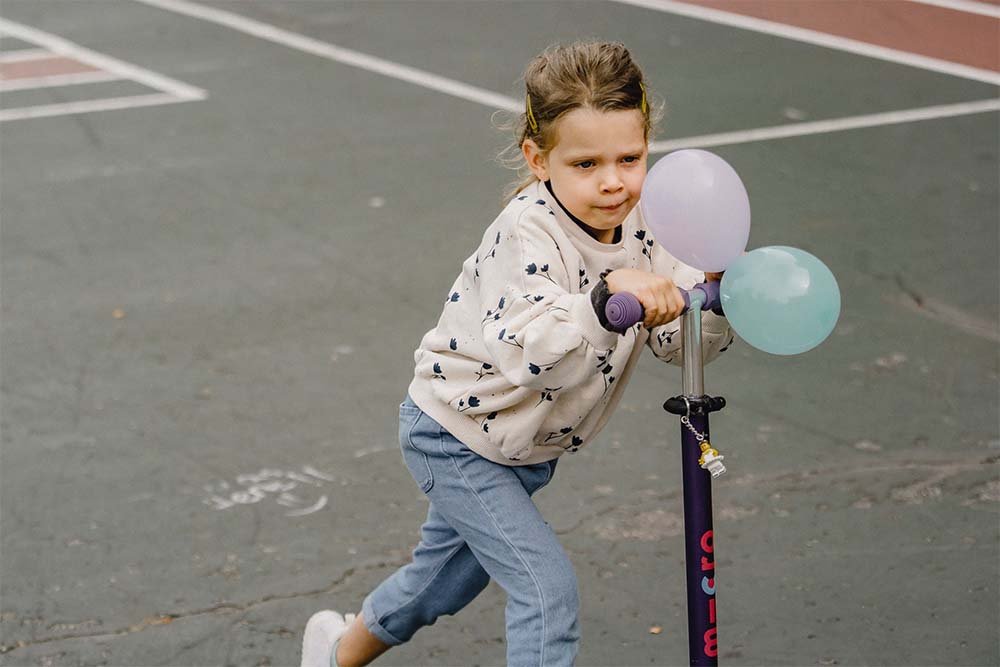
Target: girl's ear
(537, 163)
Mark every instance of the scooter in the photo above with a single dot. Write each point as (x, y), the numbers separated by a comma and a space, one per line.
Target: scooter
(701, 462)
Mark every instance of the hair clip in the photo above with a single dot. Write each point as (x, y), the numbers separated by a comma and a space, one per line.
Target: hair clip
(644, 107)
(531, 116)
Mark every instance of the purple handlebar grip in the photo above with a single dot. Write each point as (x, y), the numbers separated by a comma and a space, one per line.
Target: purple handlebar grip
(712, 300)
(623, 309)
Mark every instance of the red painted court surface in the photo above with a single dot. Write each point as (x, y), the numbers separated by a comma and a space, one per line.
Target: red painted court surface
(43, 66)
(226, 225)
(927, 30)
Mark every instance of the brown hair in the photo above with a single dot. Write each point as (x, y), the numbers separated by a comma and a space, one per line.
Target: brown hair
(589, 74)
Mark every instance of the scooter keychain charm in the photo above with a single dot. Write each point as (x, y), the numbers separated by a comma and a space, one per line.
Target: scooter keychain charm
(710, 458)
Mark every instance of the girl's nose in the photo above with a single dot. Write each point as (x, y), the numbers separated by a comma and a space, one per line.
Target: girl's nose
(611, 182)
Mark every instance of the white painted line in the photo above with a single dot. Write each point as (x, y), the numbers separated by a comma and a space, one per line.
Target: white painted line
(88, 106)
(122, 69)
(20, 55)
(494, 100)
(30, 83)
(825, 126)
(339, 54)
(818, 39)
(967, 6)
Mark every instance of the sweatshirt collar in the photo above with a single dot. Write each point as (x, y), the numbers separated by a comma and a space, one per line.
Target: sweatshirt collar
(571, 223)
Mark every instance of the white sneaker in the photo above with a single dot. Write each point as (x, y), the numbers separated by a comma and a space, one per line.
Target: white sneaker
(323, 633)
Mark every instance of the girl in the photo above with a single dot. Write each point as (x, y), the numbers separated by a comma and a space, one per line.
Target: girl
(523, 367)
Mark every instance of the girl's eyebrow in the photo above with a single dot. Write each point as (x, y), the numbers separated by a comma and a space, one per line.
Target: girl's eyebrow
(589, 156)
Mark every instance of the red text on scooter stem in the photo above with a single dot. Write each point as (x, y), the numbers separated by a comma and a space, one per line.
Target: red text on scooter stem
(711, 647)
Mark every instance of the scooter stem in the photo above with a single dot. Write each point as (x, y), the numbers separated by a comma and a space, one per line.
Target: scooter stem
(699, 547)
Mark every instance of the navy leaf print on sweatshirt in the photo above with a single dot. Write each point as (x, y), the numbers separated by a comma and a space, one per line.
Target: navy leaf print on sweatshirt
(473, 403)
(547, 395)
(485, 424)
(493, 250)
(490, 255)
(533, 270)
(608, 378)
(438, 372)
(453, 298)
(666, 337)
(535, 370)
(509, 339)
(647, 245)
(453, 344)
(498, 313)
(563, 431)
(583, 278)
(484, 371)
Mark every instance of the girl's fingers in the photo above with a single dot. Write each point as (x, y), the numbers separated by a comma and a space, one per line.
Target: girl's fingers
(664, 305)
(678, 303)
(651, 308)
(661, 302)
(669, 309)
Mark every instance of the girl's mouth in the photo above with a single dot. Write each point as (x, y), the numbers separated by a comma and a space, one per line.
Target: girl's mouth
(611, 208)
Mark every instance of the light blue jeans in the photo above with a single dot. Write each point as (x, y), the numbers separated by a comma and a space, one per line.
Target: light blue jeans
(481, 524)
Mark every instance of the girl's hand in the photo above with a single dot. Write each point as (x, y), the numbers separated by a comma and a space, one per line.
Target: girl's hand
(661, 300)
(716, 276)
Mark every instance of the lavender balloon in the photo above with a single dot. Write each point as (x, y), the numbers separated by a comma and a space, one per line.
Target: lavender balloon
(697, 208)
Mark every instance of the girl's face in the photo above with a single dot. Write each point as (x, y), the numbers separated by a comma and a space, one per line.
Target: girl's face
(597, 166)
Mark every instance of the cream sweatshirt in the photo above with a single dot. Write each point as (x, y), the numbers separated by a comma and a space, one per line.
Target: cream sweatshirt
(519, 367)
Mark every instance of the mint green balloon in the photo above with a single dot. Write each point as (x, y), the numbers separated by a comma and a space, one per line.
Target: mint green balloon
(780, 300)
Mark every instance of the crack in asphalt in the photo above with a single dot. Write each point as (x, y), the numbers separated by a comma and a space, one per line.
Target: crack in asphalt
(165, 619)
(946, 313)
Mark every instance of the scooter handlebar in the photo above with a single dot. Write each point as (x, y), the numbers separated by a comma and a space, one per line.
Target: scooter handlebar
(624, 310)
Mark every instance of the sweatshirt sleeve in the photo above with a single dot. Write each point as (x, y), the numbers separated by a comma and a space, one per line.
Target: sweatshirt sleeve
(665, 340)
(539, 334)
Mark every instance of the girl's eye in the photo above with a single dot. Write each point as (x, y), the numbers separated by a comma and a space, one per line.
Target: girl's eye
(585, 162)
(634, 158)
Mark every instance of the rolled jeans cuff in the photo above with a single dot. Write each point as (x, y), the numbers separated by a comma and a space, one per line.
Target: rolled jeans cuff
(371, 622)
